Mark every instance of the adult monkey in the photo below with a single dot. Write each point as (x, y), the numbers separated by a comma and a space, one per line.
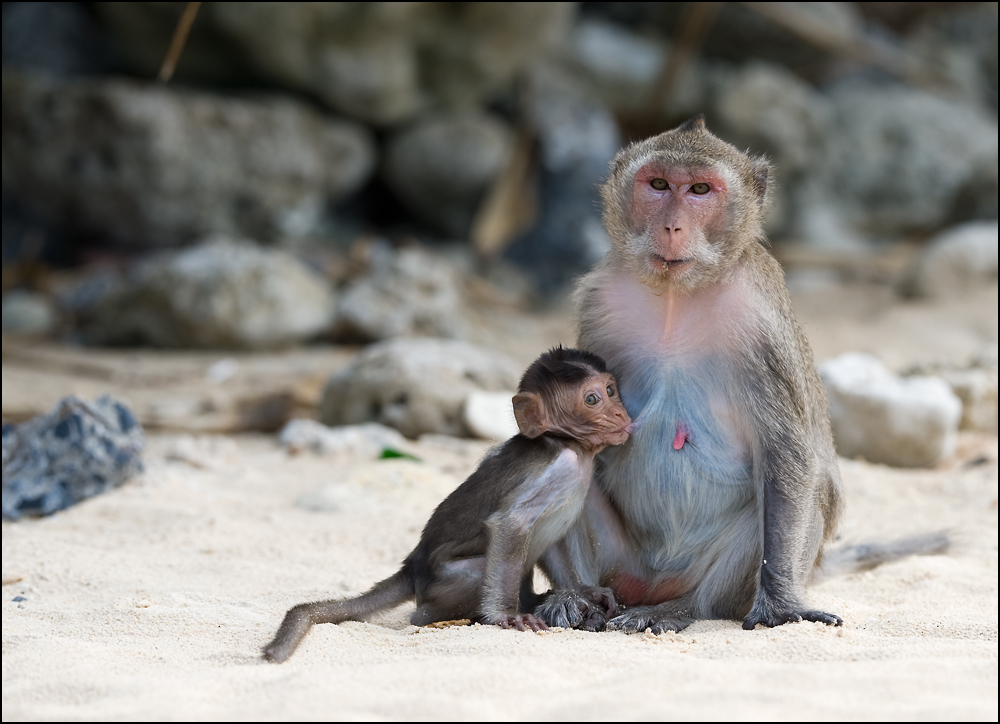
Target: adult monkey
(720, 504)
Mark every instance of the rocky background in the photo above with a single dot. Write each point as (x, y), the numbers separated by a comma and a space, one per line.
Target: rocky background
(400, 174)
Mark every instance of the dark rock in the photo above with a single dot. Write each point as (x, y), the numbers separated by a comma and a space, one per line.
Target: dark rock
(149, 165)
(440, 167)
(577, 137)
(78, 450)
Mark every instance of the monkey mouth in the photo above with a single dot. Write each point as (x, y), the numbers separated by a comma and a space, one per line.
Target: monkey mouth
(663, 264)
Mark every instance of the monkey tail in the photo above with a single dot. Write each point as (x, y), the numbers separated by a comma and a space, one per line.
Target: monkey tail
(389, 593)
(864, 557)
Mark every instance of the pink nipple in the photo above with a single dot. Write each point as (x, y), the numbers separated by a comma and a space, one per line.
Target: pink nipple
(681, 436)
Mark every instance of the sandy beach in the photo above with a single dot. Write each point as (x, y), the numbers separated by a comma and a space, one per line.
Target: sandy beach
(154, 600)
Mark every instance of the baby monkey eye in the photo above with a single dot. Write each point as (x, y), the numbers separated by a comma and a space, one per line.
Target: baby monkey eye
(700, 188)
(659, 184)
(591, 399)
(611, 390)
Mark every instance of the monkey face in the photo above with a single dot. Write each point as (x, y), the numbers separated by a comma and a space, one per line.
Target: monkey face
(600, 416)
(675, 214)
(680, 207)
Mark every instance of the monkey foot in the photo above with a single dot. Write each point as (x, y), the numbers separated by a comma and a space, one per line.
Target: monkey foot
(776, 618)
(588, 608)
(637, 620)
(520, 621)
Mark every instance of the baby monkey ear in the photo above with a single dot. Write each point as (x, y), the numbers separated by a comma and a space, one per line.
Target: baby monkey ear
(529, 411)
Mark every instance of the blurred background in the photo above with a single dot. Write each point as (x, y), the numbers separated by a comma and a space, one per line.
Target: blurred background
(345, 173)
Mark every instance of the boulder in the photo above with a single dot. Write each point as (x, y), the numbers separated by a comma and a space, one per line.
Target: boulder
(441, 166)
(956, 260)
(416, 385)
(149, 165)
(220, 294)
(884, 418)
(408, 291)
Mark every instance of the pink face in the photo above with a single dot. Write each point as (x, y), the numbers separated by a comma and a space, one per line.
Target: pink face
(673, 209)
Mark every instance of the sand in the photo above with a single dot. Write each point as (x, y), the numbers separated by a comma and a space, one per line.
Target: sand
(153, 601)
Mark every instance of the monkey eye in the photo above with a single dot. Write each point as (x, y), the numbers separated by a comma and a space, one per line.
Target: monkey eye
(611, 390)
(659, 184)
(591, 399)
(700, 188)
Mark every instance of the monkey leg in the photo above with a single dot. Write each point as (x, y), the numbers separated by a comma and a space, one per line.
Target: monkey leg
(453, 593)
(791, 542)
(575, 565)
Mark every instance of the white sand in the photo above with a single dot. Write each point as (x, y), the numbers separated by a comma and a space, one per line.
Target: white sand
(152, 601)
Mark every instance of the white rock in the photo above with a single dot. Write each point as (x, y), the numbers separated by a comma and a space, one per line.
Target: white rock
(884, 418)
(366, 440)
(959, 258)
(490, 415)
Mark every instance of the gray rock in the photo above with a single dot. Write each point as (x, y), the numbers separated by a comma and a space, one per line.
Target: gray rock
(903, 160)
(407, 291)
(28, 312)
(366, 440)
(382, 63)
(441, 166)
(415, 385)
(490, 415)
(151, 165)
(975, 384)
(957, 260)
(220, 294)
(78, 450)
(884, 418)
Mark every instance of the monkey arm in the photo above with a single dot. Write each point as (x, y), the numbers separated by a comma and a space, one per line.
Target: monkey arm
(536, 515)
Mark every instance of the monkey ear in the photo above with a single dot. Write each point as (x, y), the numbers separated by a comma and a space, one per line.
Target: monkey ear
(529, 411)
(697, 123)
(761, 171)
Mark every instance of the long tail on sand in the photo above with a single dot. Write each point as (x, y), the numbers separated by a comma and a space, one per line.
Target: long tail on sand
(391, 592)
(864, 557)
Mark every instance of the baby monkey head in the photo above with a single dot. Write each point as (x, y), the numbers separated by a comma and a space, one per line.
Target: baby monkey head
(570, 393)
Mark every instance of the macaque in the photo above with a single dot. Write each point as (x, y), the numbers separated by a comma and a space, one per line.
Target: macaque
(477, 553)
(720, 504)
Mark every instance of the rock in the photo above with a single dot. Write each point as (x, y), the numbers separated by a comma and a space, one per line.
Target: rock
(408, 291)
(78, 450)
(220, 294)
(59, 38)
(382, 63)
(415, 385)
(903, 160)
(386, 62)
(441, 166)
(957, 260)
(975, 384)
(151, 165)
(884, 418)
(366, 440)
(770, 110)
(27, 312)
(577, 137)
(490, 415)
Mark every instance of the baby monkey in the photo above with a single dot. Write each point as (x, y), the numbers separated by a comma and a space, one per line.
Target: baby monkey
(477, 553)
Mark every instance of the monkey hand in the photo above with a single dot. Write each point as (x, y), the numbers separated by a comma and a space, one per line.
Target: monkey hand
(771, 617)
(520, 621)
(587, 608)
(672, 616)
